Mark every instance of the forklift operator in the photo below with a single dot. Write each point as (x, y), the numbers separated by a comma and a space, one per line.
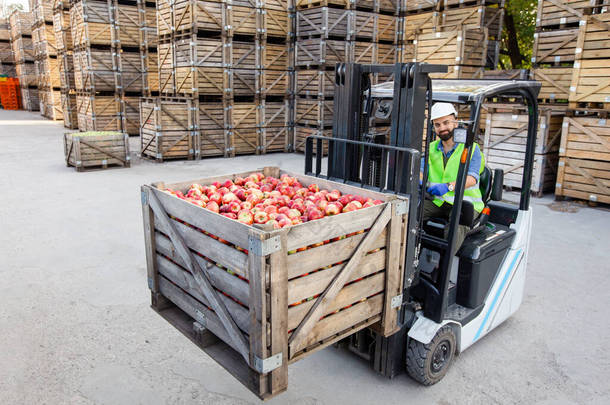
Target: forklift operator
(443, 165)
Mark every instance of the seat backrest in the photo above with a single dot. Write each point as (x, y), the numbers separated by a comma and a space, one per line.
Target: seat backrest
(485, 184)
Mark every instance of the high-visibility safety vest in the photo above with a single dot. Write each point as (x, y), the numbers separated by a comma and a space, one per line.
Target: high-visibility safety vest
(439, 173)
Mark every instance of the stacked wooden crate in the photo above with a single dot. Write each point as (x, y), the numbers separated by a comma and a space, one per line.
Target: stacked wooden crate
(335, 31)
(554, 49)
(584, 166)
(65, 52)
(113, 43)
(46, 62)
(21, 43)
(465, 35)
(224, 80)
(7, 60)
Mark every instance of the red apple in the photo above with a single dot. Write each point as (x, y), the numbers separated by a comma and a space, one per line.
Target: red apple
(194, 193)
(231, 215)
(245, 216)
(245, 205)
(314, 214)
(240, 181)
(216, 197)
(228, 197)
(260, 217)
(217, 184)
(224, 208)
(332, 209)
(293, 214)
(270, 209)
(213, 206)
(241, 193)
(359, 198)
(322, 204)
(344, 200)
(284, 222)
(251, 184)
(283, 210)
(273, 222)
(313, 188)
(352, 206)
(227, 183)
(368, 204)
(234, 207)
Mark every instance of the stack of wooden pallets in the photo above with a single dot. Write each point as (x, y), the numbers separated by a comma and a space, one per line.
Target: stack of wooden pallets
(334, 31)
(584, 166)
(65, 52)
(465, 35)
(224, 80)
(23, 51)
(46, 62)
(114, 43)
(7, 60)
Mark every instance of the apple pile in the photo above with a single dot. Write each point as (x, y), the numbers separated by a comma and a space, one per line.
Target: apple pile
(281, 202)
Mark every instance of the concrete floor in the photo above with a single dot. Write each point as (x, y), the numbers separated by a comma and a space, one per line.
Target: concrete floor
(76, 327)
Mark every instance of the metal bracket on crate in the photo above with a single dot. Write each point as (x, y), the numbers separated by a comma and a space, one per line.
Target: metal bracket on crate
(264, 247)
(268, 364)
(200, 318)
(396, 301)
(402, 208)
(144, 197)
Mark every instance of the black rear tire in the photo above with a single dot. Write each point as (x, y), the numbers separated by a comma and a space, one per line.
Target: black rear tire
(428, 363)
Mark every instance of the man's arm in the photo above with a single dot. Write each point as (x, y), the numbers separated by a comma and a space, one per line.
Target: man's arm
(473, 170)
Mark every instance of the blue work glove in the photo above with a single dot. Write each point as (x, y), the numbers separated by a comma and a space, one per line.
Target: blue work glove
(438, 189)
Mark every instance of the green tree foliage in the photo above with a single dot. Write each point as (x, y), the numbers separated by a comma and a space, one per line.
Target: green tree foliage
(7, 7)
(518, 34)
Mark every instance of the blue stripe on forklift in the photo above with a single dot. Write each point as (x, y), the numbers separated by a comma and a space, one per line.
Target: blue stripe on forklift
(495, 300)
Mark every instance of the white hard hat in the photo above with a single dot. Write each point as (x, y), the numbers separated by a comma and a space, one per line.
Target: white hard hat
(442, 109)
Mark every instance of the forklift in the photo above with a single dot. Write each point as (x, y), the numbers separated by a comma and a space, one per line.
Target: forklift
(452, 295)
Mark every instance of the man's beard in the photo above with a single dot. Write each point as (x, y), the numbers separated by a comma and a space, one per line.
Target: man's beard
(445, 136)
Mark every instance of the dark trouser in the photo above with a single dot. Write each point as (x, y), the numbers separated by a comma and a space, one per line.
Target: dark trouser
(431, 210)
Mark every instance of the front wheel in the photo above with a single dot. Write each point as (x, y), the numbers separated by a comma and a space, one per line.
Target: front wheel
(428, 363)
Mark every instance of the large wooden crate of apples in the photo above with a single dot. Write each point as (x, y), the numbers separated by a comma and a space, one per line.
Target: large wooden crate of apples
(258, 287)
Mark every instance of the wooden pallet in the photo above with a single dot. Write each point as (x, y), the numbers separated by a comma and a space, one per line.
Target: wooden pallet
(167, 128)
(313, 112)
(465, 47)
(96, 151)
(584, 179)
(561, 13)
(555, 83)
(323, 22)
(317, 53)
(488, 17)
(267, 327)
(555, 47)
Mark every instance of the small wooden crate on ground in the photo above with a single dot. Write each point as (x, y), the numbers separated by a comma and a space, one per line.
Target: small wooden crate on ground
(506, 138)
(88, 150)
(256, 300)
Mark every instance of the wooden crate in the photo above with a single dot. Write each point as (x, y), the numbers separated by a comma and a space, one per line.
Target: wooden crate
(590, 82)
(274, 56)
(274, 139)
(594, 37)
(84, 151)
(49, 76)
(66, 71)
(242, 82)
(130, 115)
(128, 25)
(319, 83)
(302, 132)
(274, 82)
(507, 74)
(465, 47)
(561, 13)
(50, 103)
(241, 122)
(460, 72)
(273, 23)
(26, 72)
(152, 72)
(585, 138)
(505, 143)
(5, 32)
(315, 52)
(584, 179)
(555, 47)
(555, 83)
(165, 17)
(20, 23)
(131, 72)
(199, 80)
(42, 10)
(476, 17)
(29, 98)
(418, 6)
(273, 125)
(313, 112)
(372, 26)
(374, 53)
(213, 137)
(47, 45)
(323, 22)
(167, 128)
(23, 49)
(420, 23)
(68, 107)
(94, 70)
(194, 15)
(91, 23)
(98, 113)
(241, 20)
(268, 326)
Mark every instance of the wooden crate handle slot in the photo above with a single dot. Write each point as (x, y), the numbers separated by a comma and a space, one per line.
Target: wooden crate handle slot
(300, 335)
(200, 277)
